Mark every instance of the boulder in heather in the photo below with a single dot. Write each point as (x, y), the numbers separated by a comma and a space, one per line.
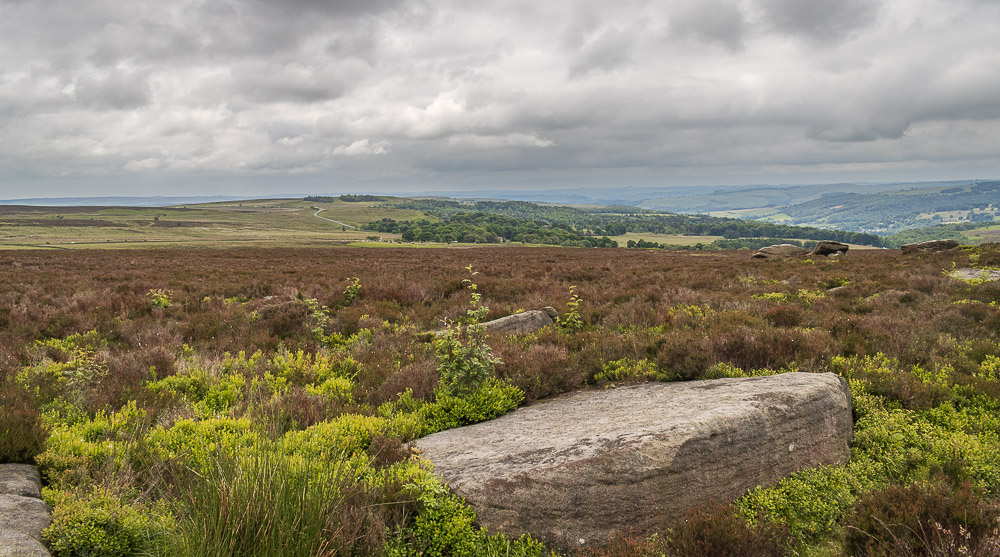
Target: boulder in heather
(931, 246)
(829, 248)
(780, 250)
(574, 469)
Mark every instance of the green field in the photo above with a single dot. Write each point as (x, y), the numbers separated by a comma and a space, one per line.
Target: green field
(263, 222)
(671, 239)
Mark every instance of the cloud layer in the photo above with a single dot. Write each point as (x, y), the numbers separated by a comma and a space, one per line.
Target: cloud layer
(384, 94)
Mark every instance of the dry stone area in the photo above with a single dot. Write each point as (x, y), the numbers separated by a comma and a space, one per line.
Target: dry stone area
(23, 515)
(574, 469)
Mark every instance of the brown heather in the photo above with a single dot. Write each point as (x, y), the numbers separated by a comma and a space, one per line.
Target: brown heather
(681, 312)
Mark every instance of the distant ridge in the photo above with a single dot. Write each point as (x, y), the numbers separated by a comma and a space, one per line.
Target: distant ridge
(153, 201)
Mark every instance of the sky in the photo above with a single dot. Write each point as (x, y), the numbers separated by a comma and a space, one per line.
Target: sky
(250, 97)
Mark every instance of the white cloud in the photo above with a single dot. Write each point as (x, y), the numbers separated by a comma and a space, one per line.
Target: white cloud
(362, 147)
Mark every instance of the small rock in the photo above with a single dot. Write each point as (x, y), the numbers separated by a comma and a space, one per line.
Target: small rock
(20, 479)
(931, 246)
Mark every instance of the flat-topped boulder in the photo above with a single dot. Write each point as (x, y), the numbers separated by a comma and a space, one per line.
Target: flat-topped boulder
(524, 322)
(930, 246)
(574, 469)
(520, 323)
(781, 250)
(828, 248)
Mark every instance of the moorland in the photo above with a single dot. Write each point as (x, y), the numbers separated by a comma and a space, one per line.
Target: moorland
(252, 401)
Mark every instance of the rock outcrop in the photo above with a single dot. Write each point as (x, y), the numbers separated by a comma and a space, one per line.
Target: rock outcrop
(931, 246)
(827, 248)
(23, 515)
(524, 322)
(520, 323)
(780, 250)
(574, 469)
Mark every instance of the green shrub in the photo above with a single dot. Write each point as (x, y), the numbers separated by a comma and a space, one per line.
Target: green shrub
(352, 292)
(99, 523)
(570, 321)
(492, 399)
(625, 369)
(76, 451)
(464, 358)
(159, 299)
(444, 526)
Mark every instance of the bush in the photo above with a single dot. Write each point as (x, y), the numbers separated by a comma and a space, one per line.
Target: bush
(99, 523)
(923, 520)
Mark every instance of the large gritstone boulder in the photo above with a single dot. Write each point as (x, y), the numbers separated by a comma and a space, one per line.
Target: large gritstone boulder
(931, 246)
(780, 250)
(524, 322)
(574, 469)
(829, 247)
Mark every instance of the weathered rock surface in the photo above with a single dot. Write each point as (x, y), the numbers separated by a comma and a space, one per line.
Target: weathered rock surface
(524, 322)
(931, 246)
(583, 465)
(829, 247)
(986, 275)
(19, 544)
(20, 479)
(780, 250)
(24, 514)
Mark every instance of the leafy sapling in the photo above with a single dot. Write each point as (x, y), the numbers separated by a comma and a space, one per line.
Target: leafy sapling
(571, 322)
(465, 360)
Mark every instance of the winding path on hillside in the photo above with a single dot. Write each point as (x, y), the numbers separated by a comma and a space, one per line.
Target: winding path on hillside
(318, 211)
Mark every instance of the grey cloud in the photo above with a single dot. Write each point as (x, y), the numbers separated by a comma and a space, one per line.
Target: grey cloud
(710, 20)
(119, 90)
(820, 20)
(610, 50)
(393, 93)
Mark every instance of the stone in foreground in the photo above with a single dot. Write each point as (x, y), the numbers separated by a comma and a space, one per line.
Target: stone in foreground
(19, 544)
(27, 515)
(583, 465)
(20, 479)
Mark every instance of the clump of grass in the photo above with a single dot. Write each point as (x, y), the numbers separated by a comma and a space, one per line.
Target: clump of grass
(260, 502)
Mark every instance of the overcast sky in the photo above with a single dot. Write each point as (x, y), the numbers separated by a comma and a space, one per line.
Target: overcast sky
(139, 97)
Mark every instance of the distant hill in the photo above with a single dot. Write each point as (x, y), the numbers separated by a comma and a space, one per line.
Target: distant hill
(154, 201)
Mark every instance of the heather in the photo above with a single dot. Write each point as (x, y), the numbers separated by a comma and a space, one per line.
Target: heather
(254, 402)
